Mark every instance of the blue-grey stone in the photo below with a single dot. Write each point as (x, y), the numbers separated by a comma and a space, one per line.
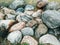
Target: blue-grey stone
(20, 10)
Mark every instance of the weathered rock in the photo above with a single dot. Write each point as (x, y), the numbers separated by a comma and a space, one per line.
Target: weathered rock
(17, 26)
(37, 14)
(42, 29)
(7, 10)
(14, 37)
(51, 18)
(48, 38)
(17, 3)
(53, 5)
(1, 16)
(20, 10)
(31, 23)
(29, 40)
(6, 23)
(27, 31)
(10, 17)
(29, 7)
(29, 12)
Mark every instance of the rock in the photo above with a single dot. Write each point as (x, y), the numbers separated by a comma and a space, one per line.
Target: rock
(48, 38)
(14, 37)
(29, 12)
(42, 29)
(29, 8)
(53, 5)
(17, 26)
(6, 23)
(27, 31)
(1, 16)
(7, 10)
(29, 40)
(31, 23)
(20, 10)
(51, 18)
(10, 17)
(41, 4)
(37, 14)
(17, 3)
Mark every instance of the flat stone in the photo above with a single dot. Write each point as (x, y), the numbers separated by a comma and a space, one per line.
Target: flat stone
(14, 37)
(29, 40)
(17, 26)
(48, 38)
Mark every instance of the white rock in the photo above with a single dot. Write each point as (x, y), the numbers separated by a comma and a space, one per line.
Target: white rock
(48, 38)
(27, 31)
(29, 40)
(14, 37)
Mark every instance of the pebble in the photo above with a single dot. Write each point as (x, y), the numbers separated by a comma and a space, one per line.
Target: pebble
(27, 31)
(1, 16)
(17, 3)
(29, 40)
(17, 26)
(7, 23)
(14, 37)
(48, 38)
(29, 8)
(41, 29)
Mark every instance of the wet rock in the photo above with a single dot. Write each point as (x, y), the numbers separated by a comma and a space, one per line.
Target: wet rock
(53, 5)
(20, 10)
(29, 7)
(51, 18)
(10, 17)
(17, 26)
(27, 31)
(6, 23)
(42, 29)
(17, 3)
(14, 37)
(29, 40)
(37, 14)
(7, 10)
(29, 12)
(31, 23)
(1, 16)
(48, 38)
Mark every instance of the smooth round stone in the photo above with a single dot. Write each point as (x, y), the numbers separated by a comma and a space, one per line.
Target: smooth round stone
(27, 31)
(31, 23)
(7, 10)
(29, 12)
(37, 13)
(53, 5)
(48, 38)
(17, 3)
(29, 40)
(17, 26)
(29, 7)
(14, 37)
(1, 16)
(20, 10)
(7, 23)
(42, 29)
(10, 17)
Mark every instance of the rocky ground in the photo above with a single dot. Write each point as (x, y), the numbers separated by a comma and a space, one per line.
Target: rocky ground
(25, 24)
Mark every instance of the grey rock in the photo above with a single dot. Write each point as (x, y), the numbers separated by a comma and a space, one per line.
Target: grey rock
(17, 3)
(51, 18)
(27, 31)
(29, 7)
(53, 5)
(48, 38)
(14, 37)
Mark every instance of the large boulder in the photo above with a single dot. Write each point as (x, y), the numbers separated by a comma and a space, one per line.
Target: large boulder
(51, 18)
